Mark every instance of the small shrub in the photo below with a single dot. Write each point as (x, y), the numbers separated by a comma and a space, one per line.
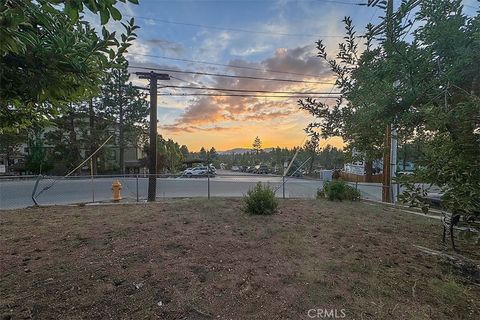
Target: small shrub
(338, 190)
(260, 200)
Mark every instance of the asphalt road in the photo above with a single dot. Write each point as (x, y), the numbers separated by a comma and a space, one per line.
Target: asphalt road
(17, 193)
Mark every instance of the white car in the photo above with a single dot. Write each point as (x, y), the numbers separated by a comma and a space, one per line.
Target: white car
(197, 171)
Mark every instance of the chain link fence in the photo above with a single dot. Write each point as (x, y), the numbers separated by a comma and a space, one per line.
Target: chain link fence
(24, 191)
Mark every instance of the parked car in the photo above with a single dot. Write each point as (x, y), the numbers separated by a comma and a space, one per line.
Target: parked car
(197, 171)
(250, 169)
(235, 168)
(261, 169)
(212, 170)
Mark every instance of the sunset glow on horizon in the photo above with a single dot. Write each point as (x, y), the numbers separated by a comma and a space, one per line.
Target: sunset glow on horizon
(273, 40)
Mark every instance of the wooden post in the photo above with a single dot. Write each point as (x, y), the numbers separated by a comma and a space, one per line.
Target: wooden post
(386, 166)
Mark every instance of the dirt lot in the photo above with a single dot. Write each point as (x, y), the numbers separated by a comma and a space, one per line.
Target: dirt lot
(199, 259)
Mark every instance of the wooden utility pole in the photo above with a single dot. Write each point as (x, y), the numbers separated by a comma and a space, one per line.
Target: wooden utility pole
(387, 173)
(152, 155)
(386, 165)
(121, 135)
(389, 155)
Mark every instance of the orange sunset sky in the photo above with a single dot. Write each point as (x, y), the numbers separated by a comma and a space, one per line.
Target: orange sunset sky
(266, 39)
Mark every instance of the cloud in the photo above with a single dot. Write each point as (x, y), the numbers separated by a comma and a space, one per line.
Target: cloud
(212, 47)
(167, 47)
(202, 111)
(297, 60)
(137, 51)
(249, 51)
(175, 128)
(205, 111)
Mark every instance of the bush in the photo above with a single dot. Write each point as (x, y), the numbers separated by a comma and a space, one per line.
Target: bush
(260, 200)
(338, 190)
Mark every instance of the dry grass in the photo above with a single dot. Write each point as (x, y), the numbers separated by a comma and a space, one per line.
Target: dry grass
(204, 259)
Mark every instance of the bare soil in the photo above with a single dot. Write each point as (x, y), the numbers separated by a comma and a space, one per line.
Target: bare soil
(200, 259)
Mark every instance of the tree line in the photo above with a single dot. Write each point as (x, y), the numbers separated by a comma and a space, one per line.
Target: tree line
(65, 87)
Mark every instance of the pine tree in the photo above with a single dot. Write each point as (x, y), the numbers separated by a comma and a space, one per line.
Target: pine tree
(257, 145)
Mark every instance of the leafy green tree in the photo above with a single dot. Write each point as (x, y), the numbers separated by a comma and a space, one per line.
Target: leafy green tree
(36, 161)
(426, 88)
(169, 157)
(48, 59)
(20, 18)
(125, 106)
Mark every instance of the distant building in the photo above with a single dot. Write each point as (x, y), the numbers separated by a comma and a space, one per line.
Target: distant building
(14, 163)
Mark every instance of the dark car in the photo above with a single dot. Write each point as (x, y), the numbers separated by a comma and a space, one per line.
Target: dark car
(250, 169)
(261, 169)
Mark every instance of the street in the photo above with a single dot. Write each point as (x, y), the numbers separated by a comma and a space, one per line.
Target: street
(18, 193)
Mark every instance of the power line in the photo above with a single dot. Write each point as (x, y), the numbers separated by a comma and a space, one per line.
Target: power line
(344, 2)
(227, 65)
(234, 29)
(236, 95)
(230, 75)
(245, 90)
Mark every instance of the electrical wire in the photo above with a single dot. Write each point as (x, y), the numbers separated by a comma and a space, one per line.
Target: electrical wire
(229, 75)
(226, 65)
(188, 24)
(245, 90)
(296, 96)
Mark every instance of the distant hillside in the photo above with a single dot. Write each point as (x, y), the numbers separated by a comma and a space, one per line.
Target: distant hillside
(241, 150)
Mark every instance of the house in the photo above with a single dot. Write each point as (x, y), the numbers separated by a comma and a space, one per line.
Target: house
(13, 163)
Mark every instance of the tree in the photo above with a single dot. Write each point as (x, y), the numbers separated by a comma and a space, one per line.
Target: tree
(170, 157)
(203, 153)
(49, 58)
(311, 147)
(36, 160)
(184, 151)
(212, 155)
(10, 142)
(257, 145)
(427, 89)
(125, 106)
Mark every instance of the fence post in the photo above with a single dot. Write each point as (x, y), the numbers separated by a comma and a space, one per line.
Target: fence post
(283, 183)
(208, 183)
(398, 192)
(34, 191)
(137, 187)
(93, 189)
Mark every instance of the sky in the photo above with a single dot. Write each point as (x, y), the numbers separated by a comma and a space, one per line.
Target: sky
(263, 35)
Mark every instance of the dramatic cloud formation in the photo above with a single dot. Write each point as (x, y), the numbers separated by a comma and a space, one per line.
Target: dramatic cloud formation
(264, 35)
(206, 111)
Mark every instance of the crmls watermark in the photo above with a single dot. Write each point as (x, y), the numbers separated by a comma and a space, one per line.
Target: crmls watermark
(326, 313)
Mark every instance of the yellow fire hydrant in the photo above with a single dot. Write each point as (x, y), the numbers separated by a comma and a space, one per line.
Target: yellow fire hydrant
(116, 187)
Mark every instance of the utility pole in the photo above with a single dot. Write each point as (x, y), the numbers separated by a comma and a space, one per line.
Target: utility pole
(386, 165)
(152, 156)
(120, 125)
(390, 143)
(387, 172)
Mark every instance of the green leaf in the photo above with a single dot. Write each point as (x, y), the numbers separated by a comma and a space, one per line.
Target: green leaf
(116, 15)
(104, 16)
(71, 12)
